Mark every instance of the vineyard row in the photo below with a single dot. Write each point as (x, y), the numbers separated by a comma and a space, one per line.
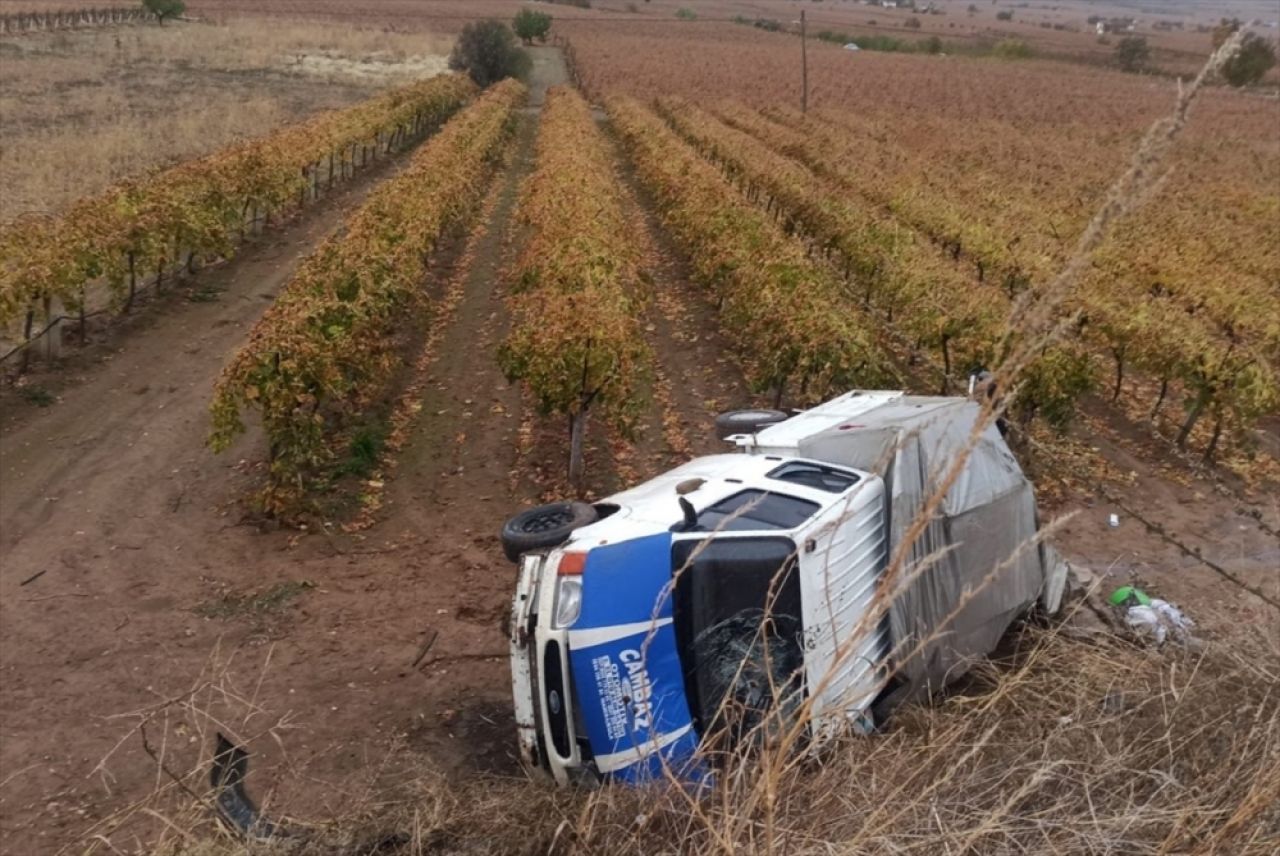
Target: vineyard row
(789, 318)
(12, 23)
(576, 341)
(1221, 347)
(914, 287)
(203, 208)
(323, 354)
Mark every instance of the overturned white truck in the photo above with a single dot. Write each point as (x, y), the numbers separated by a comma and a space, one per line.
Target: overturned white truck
(746, 581)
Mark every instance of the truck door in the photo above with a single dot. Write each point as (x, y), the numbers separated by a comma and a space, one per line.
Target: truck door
(842, 554)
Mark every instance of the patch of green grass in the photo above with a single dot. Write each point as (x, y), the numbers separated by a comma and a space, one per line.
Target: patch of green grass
(231, 604)
(364, 450)
(37, 395)
(204, 294)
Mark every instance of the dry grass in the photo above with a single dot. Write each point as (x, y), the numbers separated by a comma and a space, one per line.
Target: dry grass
(1072, 744)
(81, 109)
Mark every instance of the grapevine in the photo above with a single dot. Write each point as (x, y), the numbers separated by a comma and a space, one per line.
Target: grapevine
(790, 319)
(323, 352)
(1170, 294)
(576, 341)
(201, 207)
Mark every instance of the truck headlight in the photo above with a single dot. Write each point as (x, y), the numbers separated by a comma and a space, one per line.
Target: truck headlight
(568, 601)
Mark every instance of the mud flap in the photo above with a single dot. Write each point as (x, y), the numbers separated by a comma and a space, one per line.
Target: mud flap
(230, 766)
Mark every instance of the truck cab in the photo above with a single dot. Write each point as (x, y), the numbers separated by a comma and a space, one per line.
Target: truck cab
(730, 583)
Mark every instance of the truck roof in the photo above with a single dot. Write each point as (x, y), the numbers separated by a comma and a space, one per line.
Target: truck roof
(653, 506)
(785, 437)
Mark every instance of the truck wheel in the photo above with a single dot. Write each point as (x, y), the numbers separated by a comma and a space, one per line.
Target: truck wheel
(544, 526)
(746, 421)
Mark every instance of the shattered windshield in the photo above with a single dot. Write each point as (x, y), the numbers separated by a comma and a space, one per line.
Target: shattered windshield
(738, 629)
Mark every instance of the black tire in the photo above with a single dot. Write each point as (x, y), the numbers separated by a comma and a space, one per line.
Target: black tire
(544, 526)
(746, 421)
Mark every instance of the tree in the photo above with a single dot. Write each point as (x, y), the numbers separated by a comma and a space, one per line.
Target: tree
(912, 23)
(1254, 59)
(1132, 53)
(487, 51)
(1004, 16)
(164, 9)
(531, 24)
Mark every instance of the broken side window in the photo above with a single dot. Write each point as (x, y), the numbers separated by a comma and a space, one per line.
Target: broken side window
(814, 476)
(754, 510)
(739, 631)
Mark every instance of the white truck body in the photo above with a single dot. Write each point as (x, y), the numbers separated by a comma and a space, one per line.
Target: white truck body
(596, 695)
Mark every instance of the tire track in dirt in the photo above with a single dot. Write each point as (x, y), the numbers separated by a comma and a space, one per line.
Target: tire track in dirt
(449, 586)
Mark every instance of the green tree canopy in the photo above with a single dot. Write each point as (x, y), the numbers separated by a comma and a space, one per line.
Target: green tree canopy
(487, 51)
(1132, 53)
(1254, 59)
(164, 9)
(531, 24)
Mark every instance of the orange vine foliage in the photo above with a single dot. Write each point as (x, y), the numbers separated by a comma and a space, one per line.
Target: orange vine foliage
(576, 341)
(918, 288)
(200, 206)
(323, 352)
(791, 319)
(1180, 292)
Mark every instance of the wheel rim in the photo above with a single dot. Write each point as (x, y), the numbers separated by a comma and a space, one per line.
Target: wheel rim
(544, 521)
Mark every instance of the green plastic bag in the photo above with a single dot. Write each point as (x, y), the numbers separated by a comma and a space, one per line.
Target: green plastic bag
(1122, 595)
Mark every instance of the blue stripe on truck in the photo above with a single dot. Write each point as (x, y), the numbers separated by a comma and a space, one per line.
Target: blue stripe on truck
(630, 687)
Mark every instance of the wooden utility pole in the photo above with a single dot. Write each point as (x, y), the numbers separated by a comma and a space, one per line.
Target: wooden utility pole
(804, 68)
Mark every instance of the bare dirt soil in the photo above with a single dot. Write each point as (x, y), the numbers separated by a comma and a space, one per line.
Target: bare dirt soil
(130, 578)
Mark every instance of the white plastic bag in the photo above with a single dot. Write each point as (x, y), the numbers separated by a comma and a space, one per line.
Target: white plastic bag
(1159, 619)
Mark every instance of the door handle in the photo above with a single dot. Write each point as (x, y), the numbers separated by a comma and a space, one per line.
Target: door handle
(810, 545)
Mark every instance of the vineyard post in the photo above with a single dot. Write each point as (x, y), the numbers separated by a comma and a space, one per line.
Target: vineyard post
(577, 431)
(578, 424)
(133, 281)
(26, 338)
(52, 345)
(804, 68)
